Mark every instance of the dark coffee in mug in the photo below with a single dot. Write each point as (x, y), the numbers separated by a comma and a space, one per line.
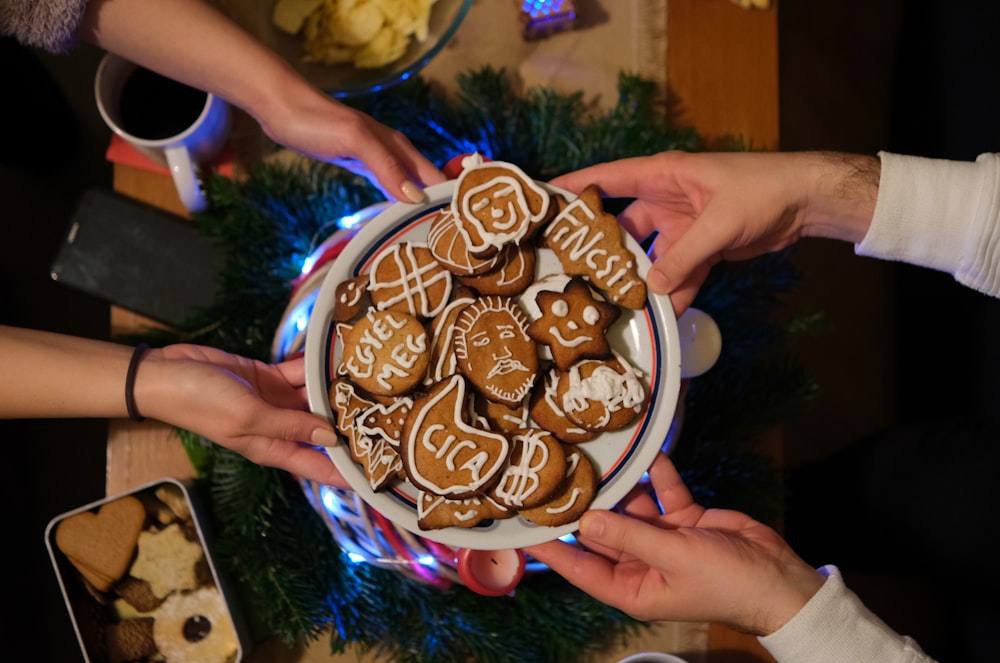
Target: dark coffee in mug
(154, 107)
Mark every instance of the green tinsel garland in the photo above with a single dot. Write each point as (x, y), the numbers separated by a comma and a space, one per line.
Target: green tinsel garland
(295, 580)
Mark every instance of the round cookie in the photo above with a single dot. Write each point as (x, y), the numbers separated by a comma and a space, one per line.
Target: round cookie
(514, 271)
(573, 497)
(498, 416)
(195, 627)
(449, 244)
(545, 409)
(536, 470)
(406, 277)
(494, 351)
(386, 353)
(602, 395)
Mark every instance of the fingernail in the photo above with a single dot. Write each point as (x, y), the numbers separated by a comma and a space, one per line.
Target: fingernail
(413, 192)
(325, 438)
(592, 525)
(657, 282)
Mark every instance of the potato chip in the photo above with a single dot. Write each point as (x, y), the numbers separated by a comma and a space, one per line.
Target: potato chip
(387, 46)
(290, 15)
(367, 33)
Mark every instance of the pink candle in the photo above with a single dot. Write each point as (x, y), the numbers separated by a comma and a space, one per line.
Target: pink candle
(490, 572)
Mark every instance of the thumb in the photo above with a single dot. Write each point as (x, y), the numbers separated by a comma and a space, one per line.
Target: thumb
(299, 426)
(614, 533)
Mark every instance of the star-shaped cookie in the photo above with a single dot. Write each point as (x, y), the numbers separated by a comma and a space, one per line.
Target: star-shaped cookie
(573, 323)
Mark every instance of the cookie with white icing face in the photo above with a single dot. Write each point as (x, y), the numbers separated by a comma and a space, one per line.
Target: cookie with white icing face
(602, 394)
(589, 242)
(407, 277)
(494, 351)
(536, 470)
(497, 204)
(436, 512)
(573, 323)
(573, 497)
(445, 455)
(385, 353)
(350, 298)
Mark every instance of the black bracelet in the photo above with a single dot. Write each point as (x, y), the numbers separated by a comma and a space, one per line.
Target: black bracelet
(133, 365)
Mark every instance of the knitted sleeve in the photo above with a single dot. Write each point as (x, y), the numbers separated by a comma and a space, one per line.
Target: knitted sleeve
(835, 627)
(940, 214)
(45, 24)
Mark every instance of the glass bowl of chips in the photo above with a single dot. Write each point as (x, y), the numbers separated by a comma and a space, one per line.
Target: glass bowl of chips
(352, 47)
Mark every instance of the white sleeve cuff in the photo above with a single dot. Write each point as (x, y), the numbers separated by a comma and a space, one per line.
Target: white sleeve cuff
(939, 214)
(836, 627)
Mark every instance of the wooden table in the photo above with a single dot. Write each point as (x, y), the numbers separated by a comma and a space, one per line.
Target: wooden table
(722, 77)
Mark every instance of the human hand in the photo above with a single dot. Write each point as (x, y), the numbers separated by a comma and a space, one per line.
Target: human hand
(684, 562)
(320, 127)
(732, 206)
(255, 409)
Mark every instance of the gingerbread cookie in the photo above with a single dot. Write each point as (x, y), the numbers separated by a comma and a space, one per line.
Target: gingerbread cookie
(498, 416)
(442, 453)
(436, 512)
(514, 271)
(536, 470)
(449, 244)
(406, 277)
(443, 363)
(497, 204)
(101, 545)
(494, 351)
(573, 497)
(545, 408)
(589, 242)
(573, 324)
(385, 352)
(350, 298)
(602, 395)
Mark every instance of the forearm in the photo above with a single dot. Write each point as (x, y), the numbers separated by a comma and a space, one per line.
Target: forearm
(191, 41)
(52, 375)
(841, 191)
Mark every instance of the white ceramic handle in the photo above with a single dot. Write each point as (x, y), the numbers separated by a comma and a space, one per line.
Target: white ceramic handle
(185, 178)
(701, 342)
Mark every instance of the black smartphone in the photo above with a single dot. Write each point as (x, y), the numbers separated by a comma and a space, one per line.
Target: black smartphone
(138, 257)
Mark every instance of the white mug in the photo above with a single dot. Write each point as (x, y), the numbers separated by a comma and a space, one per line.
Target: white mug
(652, 657)
(172, 124)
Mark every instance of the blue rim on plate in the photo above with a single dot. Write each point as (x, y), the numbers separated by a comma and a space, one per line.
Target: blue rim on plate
(646, 338)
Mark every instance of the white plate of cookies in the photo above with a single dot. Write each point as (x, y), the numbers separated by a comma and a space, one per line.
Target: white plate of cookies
(493, 361)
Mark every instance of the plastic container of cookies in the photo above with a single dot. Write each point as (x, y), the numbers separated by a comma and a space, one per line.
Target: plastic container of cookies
(139, 581)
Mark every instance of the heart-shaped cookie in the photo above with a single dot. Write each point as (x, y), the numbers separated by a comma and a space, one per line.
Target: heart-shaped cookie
(101, 545)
